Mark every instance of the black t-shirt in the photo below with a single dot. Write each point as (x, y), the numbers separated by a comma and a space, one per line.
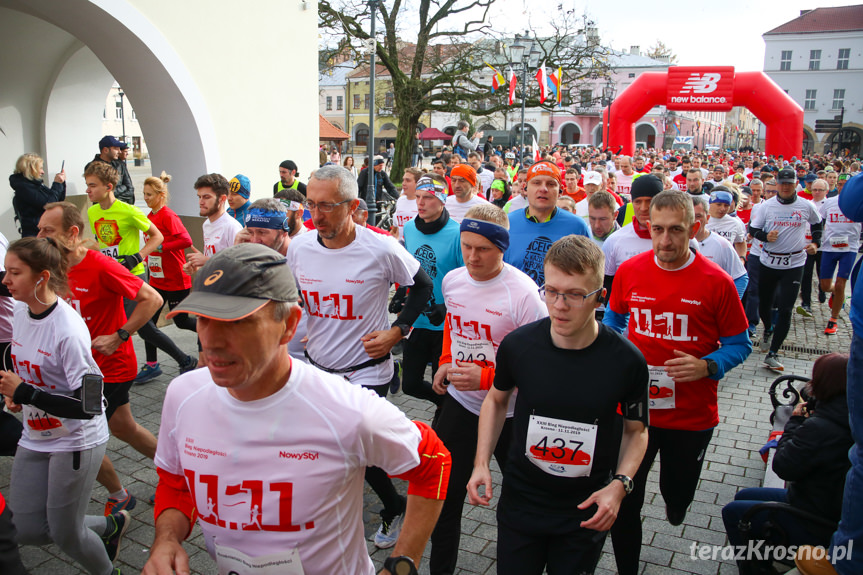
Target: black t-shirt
(580, 387)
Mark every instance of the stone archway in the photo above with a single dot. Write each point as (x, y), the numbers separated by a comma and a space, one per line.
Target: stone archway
(570, 133)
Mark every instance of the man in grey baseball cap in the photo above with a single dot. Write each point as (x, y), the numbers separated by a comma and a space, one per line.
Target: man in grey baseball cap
(289, 434)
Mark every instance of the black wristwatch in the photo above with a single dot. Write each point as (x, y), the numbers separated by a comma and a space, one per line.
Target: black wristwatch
(712, 367)
(627, 482)
(400, 565)
(405, 328)
(124, 335)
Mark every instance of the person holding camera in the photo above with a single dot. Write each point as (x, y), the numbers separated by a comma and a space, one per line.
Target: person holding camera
(58, 386)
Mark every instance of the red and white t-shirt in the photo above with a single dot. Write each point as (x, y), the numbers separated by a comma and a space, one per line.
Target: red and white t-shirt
(220, 234)
(97, 286)
(345, 293)
(406, 210)
(7, 304)
(667, 314)
(790, 220)
(281, 478)
(840, 233)
(166, 263)
(624, 182)
(53, 354)
(480, 314)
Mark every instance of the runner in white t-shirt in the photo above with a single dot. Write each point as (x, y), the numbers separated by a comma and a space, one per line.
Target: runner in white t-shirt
(269, 453)
(722, 223)
(780, 224)
(464, 189)
(485, 300)
(219, 227)
(716, 248)
(344, 272)
(406, 205)
(65, 433)
(839, 244)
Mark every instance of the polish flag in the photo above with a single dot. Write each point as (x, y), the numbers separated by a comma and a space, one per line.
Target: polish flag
(542, 78)
(512, 84)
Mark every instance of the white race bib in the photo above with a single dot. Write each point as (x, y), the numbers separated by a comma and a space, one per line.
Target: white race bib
(560, 447)
(474, 350)
(781, 262)
(154, 264)
(111, 251)
(839, 242)
(233, 562)
(42, 426)
(661, 392)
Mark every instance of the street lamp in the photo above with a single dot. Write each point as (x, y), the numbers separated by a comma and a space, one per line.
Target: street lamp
(370, 174)
(608, 98)
(517, 55)
(122, 113)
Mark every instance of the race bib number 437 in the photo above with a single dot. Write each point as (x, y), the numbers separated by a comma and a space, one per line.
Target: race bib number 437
(560, 447)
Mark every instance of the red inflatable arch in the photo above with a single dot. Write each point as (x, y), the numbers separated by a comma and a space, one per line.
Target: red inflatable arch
(716, 89)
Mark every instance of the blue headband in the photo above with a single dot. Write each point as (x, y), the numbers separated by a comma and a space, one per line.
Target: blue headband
(721, 196)
(498, 235)
(271, 220)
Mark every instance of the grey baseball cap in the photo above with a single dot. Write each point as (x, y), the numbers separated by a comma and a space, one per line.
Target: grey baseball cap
(237, 282)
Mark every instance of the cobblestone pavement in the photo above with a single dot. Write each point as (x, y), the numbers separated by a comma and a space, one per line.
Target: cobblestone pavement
(732, 463)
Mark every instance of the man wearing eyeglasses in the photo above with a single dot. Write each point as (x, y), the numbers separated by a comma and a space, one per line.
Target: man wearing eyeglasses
(568, 467)
(690, 338)
(485, 300)
(344, 272)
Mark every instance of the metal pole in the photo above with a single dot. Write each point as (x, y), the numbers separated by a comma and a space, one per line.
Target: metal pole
(123, 115)
(370, 171)
(523, 100)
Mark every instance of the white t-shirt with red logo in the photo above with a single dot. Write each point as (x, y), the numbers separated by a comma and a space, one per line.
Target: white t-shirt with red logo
(729, 227)
(790, 220)
(220, 234)
(667, 314)
(406, 210)
(480, 314)
(840, 233)
(281, 478)
(53, 355)
(345, 292)
(624, 182)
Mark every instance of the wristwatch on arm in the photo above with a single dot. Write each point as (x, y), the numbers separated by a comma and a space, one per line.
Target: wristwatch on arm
(123, 335)
(627, 482)
(400, 565)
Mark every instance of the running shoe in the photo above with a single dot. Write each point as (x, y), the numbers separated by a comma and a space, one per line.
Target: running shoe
(831, 328)
(113, 506)
(188, 365)
(805, 311)
(147, 374)
(765, 341)
(822, 296)
(112, 541)
(752, 332)
(772, 362)
(388, 532)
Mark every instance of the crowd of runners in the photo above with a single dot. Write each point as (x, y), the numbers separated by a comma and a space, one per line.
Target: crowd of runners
(571, 313)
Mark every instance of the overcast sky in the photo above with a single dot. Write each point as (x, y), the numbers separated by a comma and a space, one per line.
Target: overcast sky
(700, 33)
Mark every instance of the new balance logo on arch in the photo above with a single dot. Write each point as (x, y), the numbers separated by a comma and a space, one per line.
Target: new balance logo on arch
(700, 83)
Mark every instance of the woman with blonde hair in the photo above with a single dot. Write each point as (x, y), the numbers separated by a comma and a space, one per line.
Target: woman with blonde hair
(31, 194)
(165, 268)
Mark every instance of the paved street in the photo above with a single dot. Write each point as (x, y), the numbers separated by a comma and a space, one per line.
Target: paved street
(733, 462)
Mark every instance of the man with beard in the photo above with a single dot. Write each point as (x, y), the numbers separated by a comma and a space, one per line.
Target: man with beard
(219, 227)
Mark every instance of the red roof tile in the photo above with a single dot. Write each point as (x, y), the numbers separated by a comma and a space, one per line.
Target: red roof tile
(838, 19)
(328, 132)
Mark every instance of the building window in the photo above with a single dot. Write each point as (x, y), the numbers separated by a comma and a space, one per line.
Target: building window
(356, 101)
(785, 63)
(809, 102)
(329, 103)
(368, 101)
(586, 98)
(134, 116)
(104, 114)
(567, 97)
(388, 100)
(814, 59)
(842, 59)
(339, 102)
(632, 74)
(118, 111)
(838, 99)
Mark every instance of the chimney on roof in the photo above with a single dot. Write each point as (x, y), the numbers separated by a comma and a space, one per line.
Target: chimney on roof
(634, 51)
(802, 12)
(592, 34)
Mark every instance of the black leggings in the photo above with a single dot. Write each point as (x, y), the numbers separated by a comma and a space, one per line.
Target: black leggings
(423, 346)
(682, 455)
(182, 321)
(457, 428)
(154, 336)
(806, 283)
(10, 427)
(379, 481)
(788, 282)
(750, 298)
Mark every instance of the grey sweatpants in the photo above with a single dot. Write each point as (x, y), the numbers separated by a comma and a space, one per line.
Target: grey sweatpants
(49, 496)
